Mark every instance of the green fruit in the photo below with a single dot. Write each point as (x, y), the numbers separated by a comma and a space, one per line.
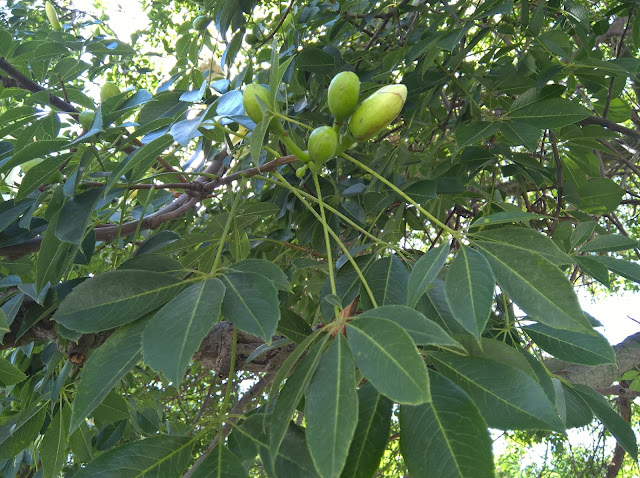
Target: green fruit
(344, 90)
(108, 90)
(52, 15)
(251, 39)
(250, 101)
(323, 143)
(301, 171)
(201, 23)
(30, 164)
(86, 119)
(377, 111)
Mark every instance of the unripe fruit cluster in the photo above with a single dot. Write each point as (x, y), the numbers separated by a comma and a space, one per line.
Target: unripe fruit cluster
(366, 120)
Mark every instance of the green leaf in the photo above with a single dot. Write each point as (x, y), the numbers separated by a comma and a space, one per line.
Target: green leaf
(528, 240)
(387, 356)
(620, 429)
(627, 269)
(371, 436)
(293, 326)
(142, 158)
(521, 133)
(257, 136)
(16, 434)
(331, 409)
(447, 437)
(550, 113)
(582, 232)
(593, 268)
(387, 279)
(293, 457)
(505, 217)
(424, 271)
(221, 463)
(599, 196)
(422, 330)
(508, 398)
(54, 444)
(115, 298)
(251, 303)
(538, 287)
(105, 367)
(469, 288)
(54, 257)
(176, 331)
(609, 242)
(422, 191)
(75, 215)
(265, 268)
(315, 60)
(573, 347)
(290, 396)
(475, 132)
(31, 151)
(163, 455)
(10, 374)
(38, 175)
(579, 414)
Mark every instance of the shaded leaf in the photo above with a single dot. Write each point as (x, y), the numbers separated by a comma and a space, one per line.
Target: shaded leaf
(424, 271)
(570, 346)
(447, 437)
(176, 331)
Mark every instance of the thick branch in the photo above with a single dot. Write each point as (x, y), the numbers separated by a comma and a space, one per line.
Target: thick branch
(27, 83)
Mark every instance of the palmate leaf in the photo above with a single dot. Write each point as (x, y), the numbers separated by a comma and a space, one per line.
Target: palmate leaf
(115, 298)
(176, 331)
(331, 409)
(163, 455)
(448, 437)
(536, 285)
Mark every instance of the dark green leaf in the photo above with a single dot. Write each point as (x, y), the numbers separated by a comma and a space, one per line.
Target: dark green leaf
(315, 60)
(422, 330)
(176, 331)
(115, 298)
(610, 419)
(293, 326)
(447, 437)
(388, 358)
(331, 409)
(472, 133)
(221, 463)
(609, 242)
(387, 278)
(508, 398)
(251, 303)
(105, 367)
(162, 455)
(54, 444)
(574, 347)
(16, 434)
(371, 436)
(265, 268)
(627, 269)
(599, 196)
(424, 271)
(550, 113)
(469, 290)
(528, 240)
(75, 215)
(505, 218)
(537, 286)
(10, 374)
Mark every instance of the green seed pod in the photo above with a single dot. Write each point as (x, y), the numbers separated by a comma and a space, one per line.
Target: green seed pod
(300, 172)
(201, 23)
(343, 94)
(52, 15)
(108, 90)
(86, 118)
(250, 101)
(251, 39)
(323, 144)
(377, 111)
